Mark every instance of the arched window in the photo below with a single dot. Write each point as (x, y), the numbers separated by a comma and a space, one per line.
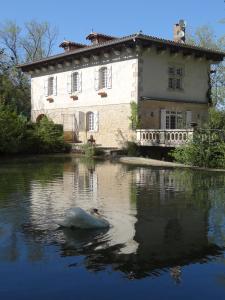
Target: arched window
(103, 78)
(75, 82)
(90, 121)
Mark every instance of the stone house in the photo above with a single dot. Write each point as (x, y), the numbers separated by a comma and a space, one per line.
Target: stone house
(89, 88)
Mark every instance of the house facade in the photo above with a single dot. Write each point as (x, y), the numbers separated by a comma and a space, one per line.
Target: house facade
(89, 88)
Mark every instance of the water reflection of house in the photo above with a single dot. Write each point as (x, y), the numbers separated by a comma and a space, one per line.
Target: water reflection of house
(171, 228)
(157, 222)
(88, 185)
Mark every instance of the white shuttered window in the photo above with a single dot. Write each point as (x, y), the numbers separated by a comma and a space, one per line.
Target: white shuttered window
(50, 86)
(92, 121)
(74, 82)
(172, 119)
(103, 78)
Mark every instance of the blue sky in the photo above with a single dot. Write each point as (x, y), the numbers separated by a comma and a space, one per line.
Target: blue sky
(75, 19)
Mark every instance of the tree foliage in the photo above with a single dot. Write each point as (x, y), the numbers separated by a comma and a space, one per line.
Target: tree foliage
(12, 130)
(205, 36)
(18, 135)
(206, 150)
(134, 117)
(33, 41)
(217, 119)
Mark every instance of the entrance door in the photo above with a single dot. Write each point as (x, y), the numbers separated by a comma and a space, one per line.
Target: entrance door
(70, 127)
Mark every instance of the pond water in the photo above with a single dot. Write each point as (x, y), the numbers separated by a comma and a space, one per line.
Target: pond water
(166, 239)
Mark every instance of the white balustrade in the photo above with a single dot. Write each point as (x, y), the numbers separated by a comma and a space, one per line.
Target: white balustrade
(163, 137)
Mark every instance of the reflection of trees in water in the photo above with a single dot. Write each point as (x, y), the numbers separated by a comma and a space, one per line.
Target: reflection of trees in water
(15, 177)
(172, 216)
(217, 217)
(15, 185)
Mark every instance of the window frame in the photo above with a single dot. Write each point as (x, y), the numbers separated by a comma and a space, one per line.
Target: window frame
(75, 82)
(90, 121)
(50, 85)
(175, 77)
(103, 78)
(178, 117)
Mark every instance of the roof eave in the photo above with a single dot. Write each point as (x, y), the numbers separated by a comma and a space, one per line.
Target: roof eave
(214, 55)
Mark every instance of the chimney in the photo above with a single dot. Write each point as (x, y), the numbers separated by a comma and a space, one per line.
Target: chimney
(70, 46)
(97, 38)
(179, 32)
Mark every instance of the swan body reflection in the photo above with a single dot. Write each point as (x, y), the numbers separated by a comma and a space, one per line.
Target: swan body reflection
(78, 218)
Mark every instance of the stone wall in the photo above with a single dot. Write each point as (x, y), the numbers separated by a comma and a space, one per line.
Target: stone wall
(113, 123)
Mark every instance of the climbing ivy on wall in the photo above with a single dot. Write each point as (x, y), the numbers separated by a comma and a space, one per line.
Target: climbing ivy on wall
(134, 118)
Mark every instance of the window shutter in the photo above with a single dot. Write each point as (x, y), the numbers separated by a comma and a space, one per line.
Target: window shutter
(188, 118)
(76, 123)
(109, 77)
(69, 83)
(96, 121)
(55, 86)
(96, 79)
(82, 121)
(46, 87)
(80, 82)
(163, 118)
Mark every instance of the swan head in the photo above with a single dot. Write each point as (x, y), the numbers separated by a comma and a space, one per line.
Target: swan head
(94, 211)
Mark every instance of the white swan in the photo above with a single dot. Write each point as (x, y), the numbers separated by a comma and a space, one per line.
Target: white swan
(79, 218)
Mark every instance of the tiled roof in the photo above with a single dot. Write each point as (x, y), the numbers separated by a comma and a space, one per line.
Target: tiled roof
(130, 38)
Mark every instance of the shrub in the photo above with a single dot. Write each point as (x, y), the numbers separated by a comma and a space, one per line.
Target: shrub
(132, 149)
(91, 150)
(50, 136)
(17, 135)
(206, 150)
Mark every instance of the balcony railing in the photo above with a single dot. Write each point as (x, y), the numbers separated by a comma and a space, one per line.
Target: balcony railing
(163, 137)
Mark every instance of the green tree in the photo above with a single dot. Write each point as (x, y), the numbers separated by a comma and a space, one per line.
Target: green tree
(18, 135)
(33, 41)
(12, 131)
(205, 36)
(207, 149)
